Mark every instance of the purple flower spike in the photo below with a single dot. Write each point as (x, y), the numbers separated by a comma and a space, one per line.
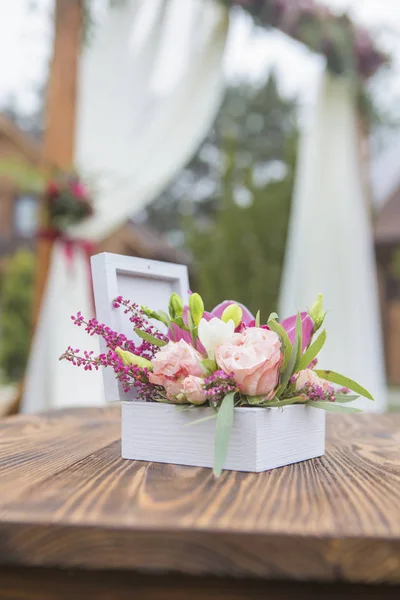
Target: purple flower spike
(307, 325)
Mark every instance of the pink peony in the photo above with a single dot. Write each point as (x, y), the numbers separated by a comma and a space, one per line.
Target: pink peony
(172, 364)
(254, 357)
(193, 388)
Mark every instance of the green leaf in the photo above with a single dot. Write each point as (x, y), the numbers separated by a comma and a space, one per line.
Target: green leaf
(275, 403)
(286, 343)
(209, 364)
(258, 319)
(255, 400)
(223, 429)
(333, 407)
(180, 323)
(203, 368)
(190, 322)
(272, 316)
(150, 338)
(345, 382)
(288, 372)
(202, 420)
(312, 351)
(158, 316)
(345, 398)
(164, 318)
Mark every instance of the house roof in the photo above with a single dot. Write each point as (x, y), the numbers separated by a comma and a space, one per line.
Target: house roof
(139, 240)
(20, 140)
(387, 224)
(151, 243)
(385, 174)
(385, 184)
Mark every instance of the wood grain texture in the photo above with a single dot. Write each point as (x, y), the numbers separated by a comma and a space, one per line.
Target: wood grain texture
(56, 584)
(69, 500)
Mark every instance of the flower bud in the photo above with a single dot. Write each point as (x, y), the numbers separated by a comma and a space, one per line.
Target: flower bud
(128, 358)
(175, 306)
(148, 311)
(179, 399)
(196, 306)
(234, 313)
(317, 312)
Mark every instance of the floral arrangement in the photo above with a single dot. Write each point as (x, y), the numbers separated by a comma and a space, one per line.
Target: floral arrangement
(349, 49)
(222, 359)
(68, 201)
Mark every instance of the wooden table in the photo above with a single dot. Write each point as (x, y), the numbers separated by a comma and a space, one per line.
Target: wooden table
(78, 521)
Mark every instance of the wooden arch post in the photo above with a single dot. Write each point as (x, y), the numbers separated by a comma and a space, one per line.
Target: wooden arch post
(59, 133)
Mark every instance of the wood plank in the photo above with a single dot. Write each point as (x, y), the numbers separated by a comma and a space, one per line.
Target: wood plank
(73, 502)
(34, 448)
(55, 584)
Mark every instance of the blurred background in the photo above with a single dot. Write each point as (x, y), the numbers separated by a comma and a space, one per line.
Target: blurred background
(256, 141)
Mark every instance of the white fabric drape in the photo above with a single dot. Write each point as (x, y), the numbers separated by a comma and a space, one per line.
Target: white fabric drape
(144, 106)
(330, 244)
(150, 84)
(50, 384)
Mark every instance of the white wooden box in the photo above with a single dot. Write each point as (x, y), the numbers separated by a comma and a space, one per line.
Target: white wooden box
(262, 438)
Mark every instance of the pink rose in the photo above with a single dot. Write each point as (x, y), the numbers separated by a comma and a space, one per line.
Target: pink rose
(172, 364)
(193, 389)
(308, 378)
(254, 357)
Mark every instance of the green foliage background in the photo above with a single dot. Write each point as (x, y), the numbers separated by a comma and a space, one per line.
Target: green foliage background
(230, 206)
(15, 315)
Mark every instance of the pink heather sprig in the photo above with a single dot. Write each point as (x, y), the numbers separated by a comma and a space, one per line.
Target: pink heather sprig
(140, 321)
(129, 375)
(343, 390)
(316, 392)
(218, 385)
(114, 339)
(111, 338)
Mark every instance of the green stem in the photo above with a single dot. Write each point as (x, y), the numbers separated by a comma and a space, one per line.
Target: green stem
(279, 403)
(194, 338)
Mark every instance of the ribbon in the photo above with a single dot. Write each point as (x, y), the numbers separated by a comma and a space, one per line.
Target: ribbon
(70, 244)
